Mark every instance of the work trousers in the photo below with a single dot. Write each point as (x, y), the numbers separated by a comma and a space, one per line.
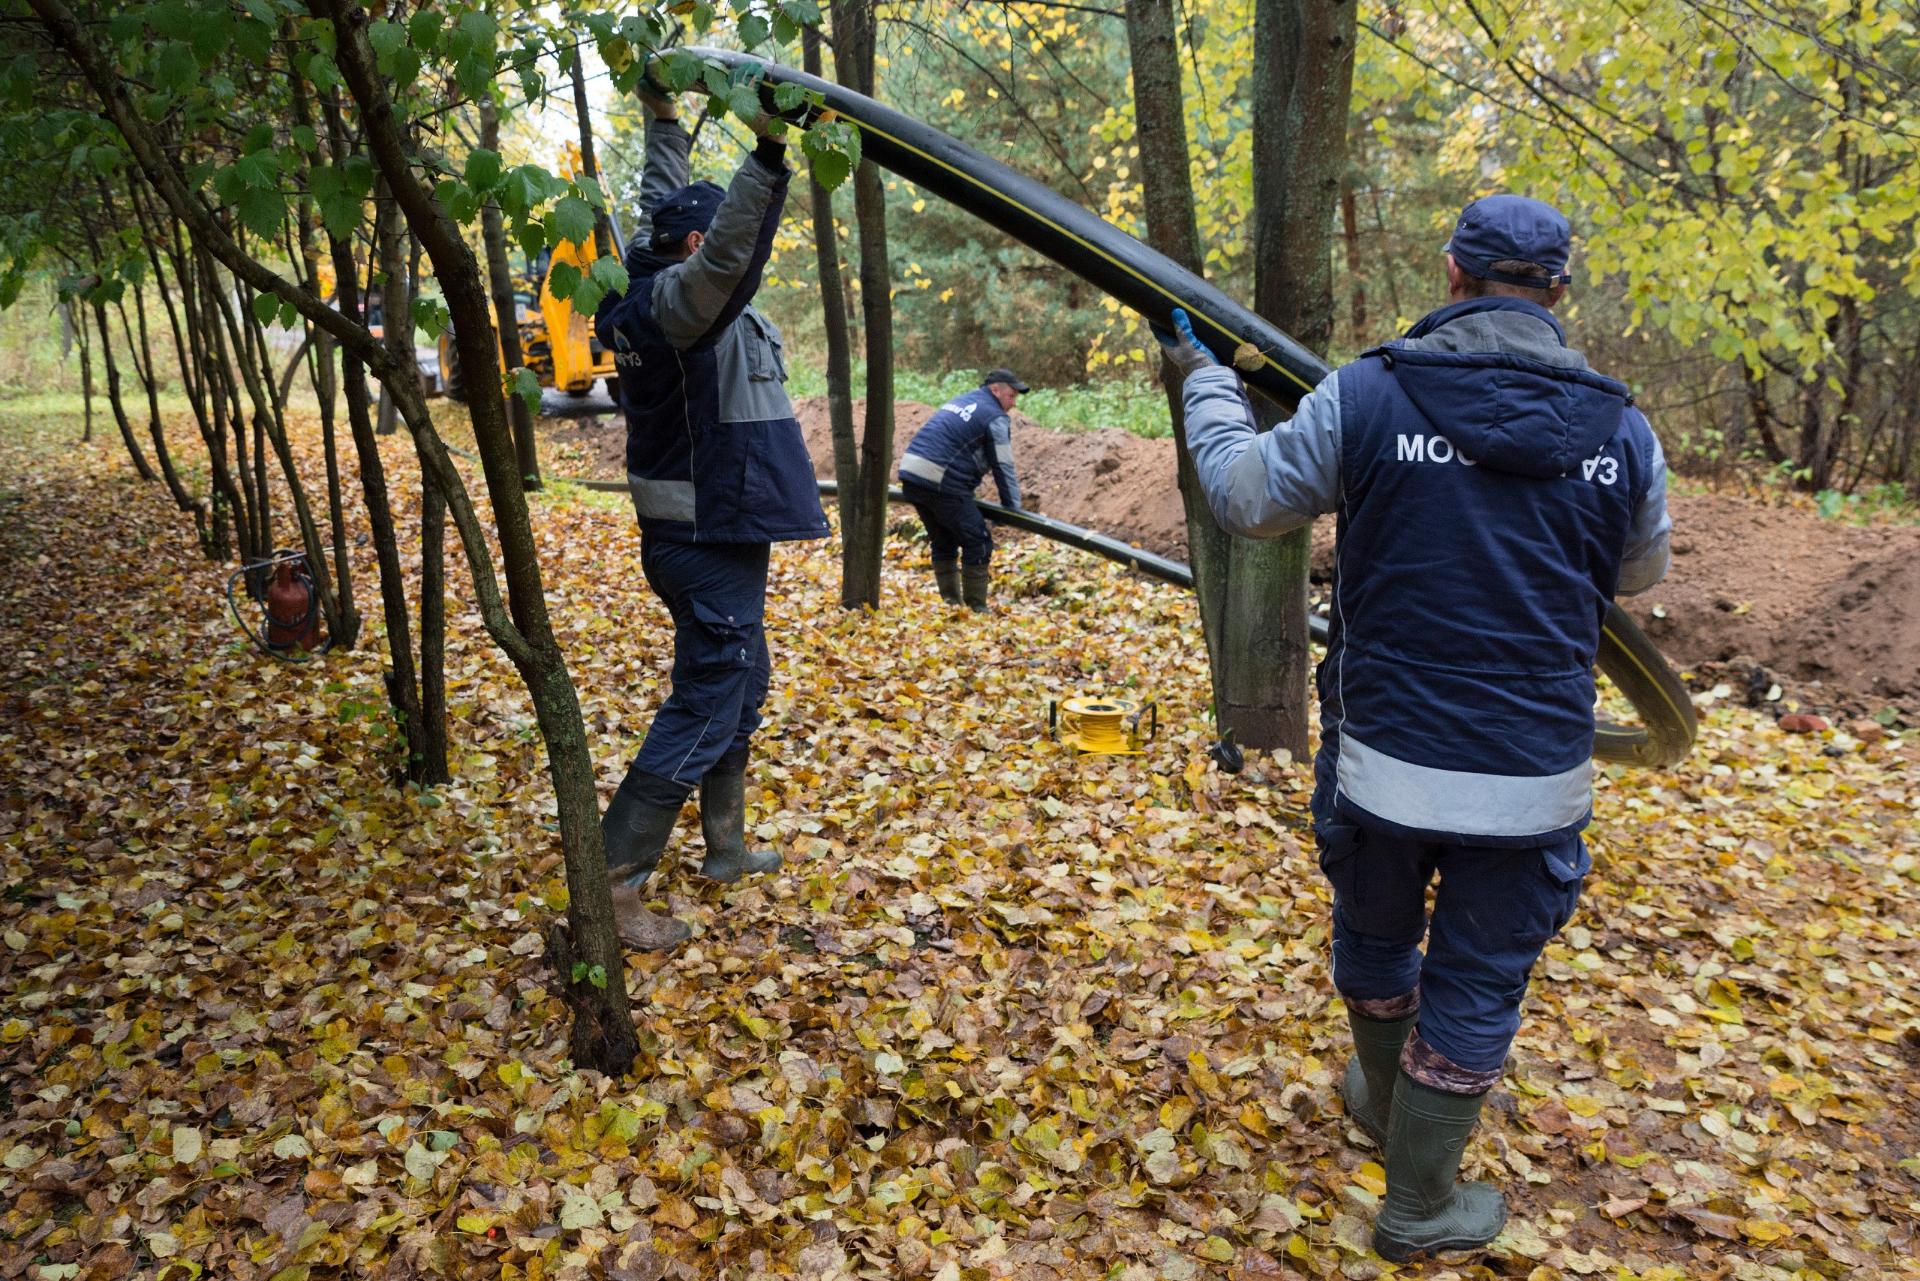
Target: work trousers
(1494, 911)
(955, 527)
(717, 594)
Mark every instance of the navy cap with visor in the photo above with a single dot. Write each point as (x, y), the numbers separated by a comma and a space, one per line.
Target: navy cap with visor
(1497, 228)
(689, 209)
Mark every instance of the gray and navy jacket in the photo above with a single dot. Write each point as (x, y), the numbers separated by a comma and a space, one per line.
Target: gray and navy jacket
(1493, 495)
(714, 454)
(966, 437)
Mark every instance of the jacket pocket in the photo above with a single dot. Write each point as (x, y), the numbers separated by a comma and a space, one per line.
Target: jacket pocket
(766, 352)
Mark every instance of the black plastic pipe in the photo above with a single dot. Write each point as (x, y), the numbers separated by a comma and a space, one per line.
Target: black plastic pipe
(1153, 285)
(1047, 222)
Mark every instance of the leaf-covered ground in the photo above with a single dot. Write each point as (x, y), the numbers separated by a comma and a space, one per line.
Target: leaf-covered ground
(1010, 1013)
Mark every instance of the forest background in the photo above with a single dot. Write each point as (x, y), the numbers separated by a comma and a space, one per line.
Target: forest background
(1740, 177)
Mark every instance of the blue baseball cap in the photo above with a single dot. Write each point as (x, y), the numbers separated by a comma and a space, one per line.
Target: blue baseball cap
(686, 210)
(1495, 228)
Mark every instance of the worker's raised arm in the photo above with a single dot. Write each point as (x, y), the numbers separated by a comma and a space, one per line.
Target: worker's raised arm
(1000, 432)
(666, 171)
(1262, 484)
(696, 299)
(1648, 555)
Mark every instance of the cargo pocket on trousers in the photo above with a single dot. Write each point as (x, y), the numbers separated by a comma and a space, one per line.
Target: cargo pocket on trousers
(1564, 869)
(1340, 843)
(726, 640)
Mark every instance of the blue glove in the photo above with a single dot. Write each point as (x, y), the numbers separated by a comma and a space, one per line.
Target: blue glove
(1184, 349)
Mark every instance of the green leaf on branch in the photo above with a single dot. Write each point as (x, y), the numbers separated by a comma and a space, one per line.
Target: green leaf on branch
(266, 307)
(571, 219)
(424, 28)
(289, 315)
(263, 209)
(457, 199)
(527, 387)
(562, 279)
(788, 96)
(609, 274)
(483, 169)
(430, 316)
(176, 68)
(754, 31)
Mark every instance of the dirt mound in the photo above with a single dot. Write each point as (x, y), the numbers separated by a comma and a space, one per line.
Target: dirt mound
(1832, 610)
(1810, 599)
(1107, 479)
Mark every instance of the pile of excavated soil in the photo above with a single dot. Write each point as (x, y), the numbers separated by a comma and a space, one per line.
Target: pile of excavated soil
(1832, 610)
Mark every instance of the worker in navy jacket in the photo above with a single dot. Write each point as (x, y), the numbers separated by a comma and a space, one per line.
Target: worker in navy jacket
(718, 471)
(948, 457)
(1493, 494)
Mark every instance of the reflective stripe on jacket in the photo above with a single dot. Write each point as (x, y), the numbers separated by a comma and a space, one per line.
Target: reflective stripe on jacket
(965, 438)
(1493, 494)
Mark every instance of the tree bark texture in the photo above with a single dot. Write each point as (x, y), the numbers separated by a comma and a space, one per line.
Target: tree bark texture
(863, 540)
(1302, 90)
(506, 313)
(1160, 127)
(833, 312)
(606, 1041)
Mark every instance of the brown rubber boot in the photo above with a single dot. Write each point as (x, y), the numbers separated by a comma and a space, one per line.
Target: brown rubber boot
(641, 929)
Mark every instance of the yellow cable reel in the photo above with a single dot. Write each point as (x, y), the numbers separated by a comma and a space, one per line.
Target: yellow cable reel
(1099, 725)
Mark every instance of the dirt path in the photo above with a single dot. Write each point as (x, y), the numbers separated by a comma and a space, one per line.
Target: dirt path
(1830, 610)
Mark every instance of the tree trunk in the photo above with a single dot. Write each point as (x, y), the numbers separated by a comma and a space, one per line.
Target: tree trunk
(1160, 126)
(506, 313)
(114, 401)
(433, 633)
(1302, 90)
(864, 541)
(833, 314)
(426, 749)
(603, 1035)
(140, 351)
(589, 166)
(79, 323)
(403, 690)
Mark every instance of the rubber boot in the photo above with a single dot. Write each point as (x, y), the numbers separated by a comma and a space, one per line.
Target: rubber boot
(1425, 1209)
(1368, 1087)
(723, 818)
(973, 583)
(635, 834)
(946, 576)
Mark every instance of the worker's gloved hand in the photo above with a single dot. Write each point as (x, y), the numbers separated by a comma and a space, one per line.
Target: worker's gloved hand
(1183, 349)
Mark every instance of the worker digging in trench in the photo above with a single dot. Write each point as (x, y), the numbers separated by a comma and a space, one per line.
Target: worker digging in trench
(718, 471)
(944, 463)
(1493, 494)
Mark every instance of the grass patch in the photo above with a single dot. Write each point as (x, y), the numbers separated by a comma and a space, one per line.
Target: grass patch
(1132, 405)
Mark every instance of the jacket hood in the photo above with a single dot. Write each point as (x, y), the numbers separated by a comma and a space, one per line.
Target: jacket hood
(1496, 378)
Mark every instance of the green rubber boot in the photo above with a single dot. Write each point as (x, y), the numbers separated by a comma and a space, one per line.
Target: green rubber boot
(946, 576)
(1425, 1209)
(723, 819)
(974, 580)
(1368, 1087)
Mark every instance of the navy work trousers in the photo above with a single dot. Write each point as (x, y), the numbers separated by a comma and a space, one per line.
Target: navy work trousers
(1494, 911)
(954, 524)
(717, 594)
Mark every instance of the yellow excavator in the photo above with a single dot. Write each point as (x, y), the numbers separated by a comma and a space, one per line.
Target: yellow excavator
(556, 342)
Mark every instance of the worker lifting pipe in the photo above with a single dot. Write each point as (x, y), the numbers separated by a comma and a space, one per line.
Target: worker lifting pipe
(1153, 286)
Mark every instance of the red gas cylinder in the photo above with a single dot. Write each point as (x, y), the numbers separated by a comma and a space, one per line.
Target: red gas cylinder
(292, 619)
